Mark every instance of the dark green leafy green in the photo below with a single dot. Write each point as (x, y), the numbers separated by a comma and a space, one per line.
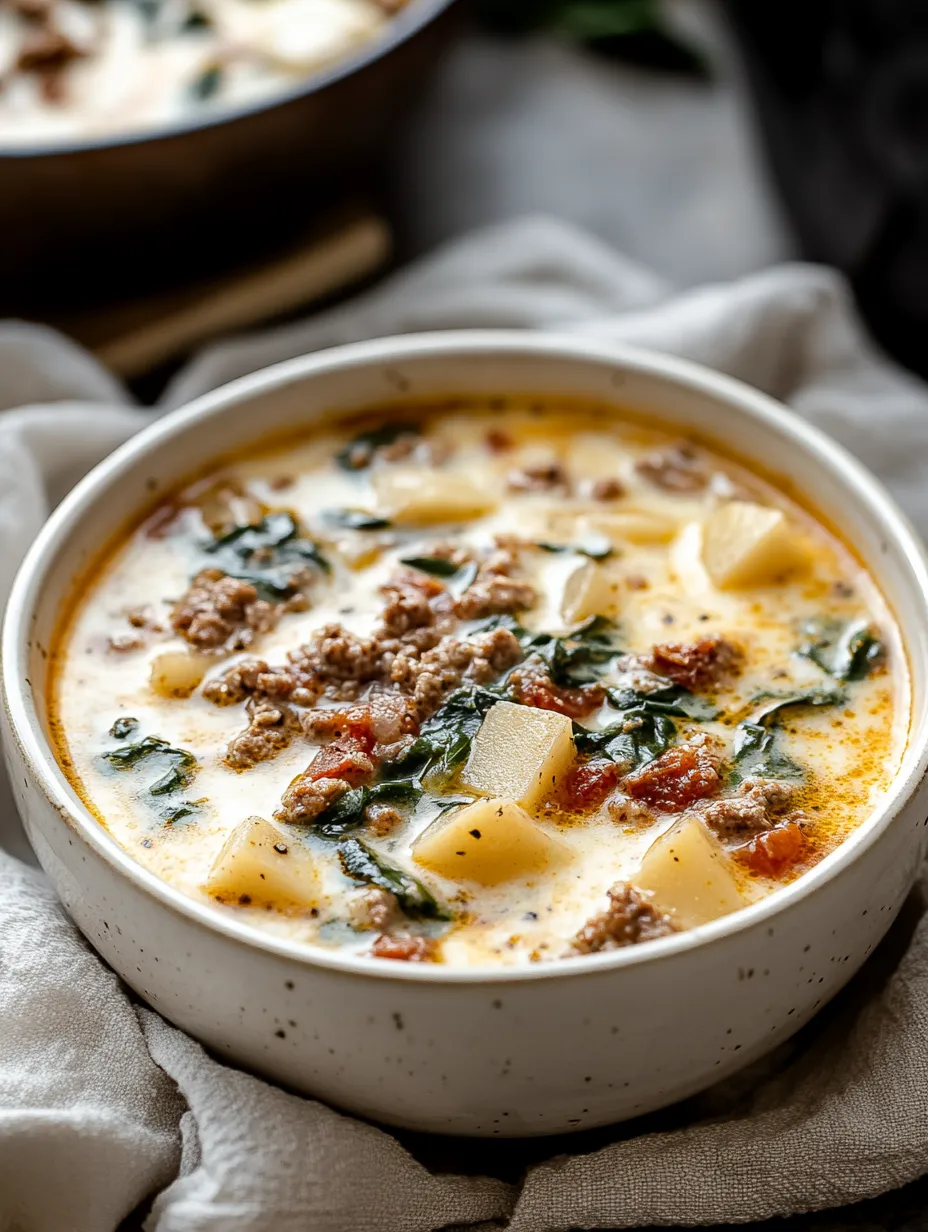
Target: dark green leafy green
(579, 658)
(180, 812)
(355, 519)
(269, 554)
(669, 699)
(756, 753)
(775, 704)
(596, 547)
(123, 727)
(207, 84)
(349, 811)
(437, 566)
(362, 864)
(637, 738)
(847, 652)
(359, 452)
(444, 740)
(182, 765)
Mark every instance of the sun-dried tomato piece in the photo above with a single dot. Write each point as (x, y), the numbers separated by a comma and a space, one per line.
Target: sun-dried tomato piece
(405, 949)
(676, 779)
(585, 787)
(774, 851)
(695, 665)
(532, 689)
(342, 759)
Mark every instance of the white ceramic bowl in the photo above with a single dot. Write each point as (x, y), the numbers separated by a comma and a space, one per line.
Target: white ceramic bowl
(563, 1045)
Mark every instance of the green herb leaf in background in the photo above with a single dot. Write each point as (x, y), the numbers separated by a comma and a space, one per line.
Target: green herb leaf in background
(355, 519)
(182, 765)
(632, 30)
(756, 754)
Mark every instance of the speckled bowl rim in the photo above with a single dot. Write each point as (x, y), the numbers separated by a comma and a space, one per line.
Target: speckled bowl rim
(857, 483)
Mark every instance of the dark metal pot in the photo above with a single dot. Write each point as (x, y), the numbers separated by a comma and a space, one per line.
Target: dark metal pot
(83, 224)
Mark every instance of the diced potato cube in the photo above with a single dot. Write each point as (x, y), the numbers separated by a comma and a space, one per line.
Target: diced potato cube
(176, 673)
(744, 544)
(689, 875)
(630, 525)
(519, 753)
(596, 455)
(488, 841)
(417, 496)
(260, 863)
(591, 590)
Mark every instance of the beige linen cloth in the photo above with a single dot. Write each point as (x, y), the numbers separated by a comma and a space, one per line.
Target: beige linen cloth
(102, 1104)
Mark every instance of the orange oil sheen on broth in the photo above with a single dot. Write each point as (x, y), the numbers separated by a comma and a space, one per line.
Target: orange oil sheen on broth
(486, 576)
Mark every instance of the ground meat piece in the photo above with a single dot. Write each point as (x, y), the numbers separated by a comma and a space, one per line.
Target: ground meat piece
(406, 949)
(221, 613)
(306, 798)
(429, 677)
(628, 920)
(532, 686)
(586, 786)
(776, 850)
(675, 469)
(493, 595)
(325, 725)
(498, 441)
(625, 811)
(607, 489)
(756, 806)
(46, 49)
(408, 608)
(544, 477)
(334, 654)
(250, 678)
(381, 819)
(269, 730)
(372, 908)
(695, 665)
(678, 778)
(123, 643)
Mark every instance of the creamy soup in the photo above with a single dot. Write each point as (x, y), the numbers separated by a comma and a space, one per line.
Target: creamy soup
(81, 68)
(487, 684)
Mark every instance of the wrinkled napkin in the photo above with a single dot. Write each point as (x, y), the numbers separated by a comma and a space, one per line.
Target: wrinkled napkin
(103, 1105)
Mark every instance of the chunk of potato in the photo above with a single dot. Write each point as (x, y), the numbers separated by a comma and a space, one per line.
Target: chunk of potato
(519, 753)
(488, 841)
(418, 496)
(596, 455)
(639, 526)
(176, 673)
(591, 590)
(260, 863)
(745, 544)
(689, 875)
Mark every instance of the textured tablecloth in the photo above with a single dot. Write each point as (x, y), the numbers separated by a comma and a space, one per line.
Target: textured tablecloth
(103, 1104)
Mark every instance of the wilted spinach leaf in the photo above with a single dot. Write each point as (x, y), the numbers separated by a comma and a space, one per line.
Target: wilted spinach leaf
(123, 727)
(437, 566)
(359, 452)
(596, 547)
(774, 704)
(845, 651)
(180, 812)
(207, 84)
(444, 740)
(269, 554)
(348, 811)
(670, 699)
(756, 754)
(362, 864)
(579, 658)
(355, 519)
(639, 737)
(182, 765)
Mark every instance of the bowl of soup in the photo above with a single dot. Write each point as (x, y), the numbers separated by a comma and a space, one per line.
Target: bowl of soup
(488, 733)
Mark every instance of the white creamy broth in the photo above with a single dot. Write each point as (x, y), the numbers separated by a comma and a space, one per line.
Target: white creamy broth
(72, 69)
(483, 684)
